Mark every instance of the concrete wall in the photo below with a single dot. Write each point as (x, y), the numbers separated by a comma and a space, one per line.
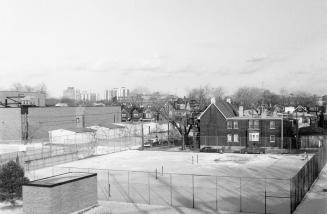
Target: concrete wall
(10, 124)
(61, 199)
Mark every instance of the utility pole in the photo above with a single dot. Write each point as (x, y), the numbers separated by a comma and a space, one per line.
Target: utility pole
(282, 132)
(168, 124)
(142, 134)
(24, 123)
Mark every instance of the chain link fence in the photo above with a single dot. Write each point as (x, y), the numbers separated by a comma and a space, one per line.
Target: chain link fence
(303, 180)
(50, 154)
(205, 192)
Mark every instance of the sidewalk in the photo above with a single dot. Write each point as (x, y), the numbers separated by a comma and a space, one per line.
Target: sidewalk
(315, 200)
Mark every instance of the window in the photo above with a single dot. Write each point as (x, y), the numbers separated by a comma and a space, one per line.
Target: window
(235, 137)
(229, 124)
(229, 138)
(250, 124)
(256, 124)
(235, 124)
(123, 115)
(272, 138)
(254, 136)
(272, 124)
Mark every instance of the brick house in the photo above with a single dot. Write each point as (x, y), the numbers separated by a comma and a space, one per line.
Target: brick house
(125, 115)
(221, 125)
(136, 114)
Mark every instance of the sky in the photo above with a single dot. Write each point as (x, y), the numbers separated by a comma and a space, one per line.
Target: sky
(167, 45)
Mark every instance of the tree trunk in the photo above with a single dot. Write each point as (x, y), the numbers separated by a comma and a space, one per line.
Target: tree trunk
(185, 141)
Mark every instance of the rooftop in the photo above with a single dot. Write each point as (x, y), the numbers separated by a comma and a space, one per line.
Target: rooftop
(60, 179)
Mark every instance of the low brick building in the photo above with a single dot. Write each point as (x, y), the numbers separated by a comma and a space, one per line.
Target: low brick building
(61, 194)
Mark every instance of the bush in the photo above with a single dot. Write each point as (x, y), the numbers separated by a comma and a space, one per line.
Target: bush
(11, 181)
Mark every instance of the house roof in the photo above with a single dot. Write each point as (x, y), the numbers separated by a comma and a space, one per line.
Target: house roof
(312, 131)
(226, 109)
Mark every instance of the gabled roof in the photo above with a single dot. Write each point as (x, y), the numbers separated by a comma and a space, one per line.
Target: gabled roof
(226, 109)
(300, 109)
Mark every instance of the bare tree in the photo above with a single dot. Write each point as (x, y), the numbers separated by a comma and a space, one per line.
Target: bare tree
(203, 95)
(41, 87)
(179, 119)
(248, 96)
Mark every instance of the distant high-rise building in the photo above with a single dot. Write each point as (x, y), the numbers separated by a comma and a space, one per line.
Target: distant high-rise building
(106, 95)
(93, 97)
(78, 95)
(85, 96)
(69, 93)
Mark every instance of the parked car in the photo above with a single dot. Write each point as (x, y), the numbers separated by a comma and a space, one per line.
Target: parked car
(253, 150)
(209, 149)
(151, 142)
(148, 143)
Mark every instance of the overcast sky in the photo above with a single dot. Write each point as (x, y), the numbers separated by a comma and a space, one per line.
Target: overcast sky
(167, 45)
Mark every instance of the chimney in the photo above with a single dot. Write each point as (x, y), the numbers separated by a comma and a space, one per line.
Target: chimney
(80, 121)
(229, 100)
(80, 117)
(213, 100)
(240, 111)
(264, 113)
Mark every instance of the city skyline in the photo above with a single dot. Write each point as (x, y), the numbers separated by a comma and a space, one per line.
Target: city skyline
(166, 46)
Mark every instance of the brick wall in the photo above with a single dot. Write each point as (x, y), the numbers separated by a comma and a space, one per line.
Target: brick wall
(61, 199)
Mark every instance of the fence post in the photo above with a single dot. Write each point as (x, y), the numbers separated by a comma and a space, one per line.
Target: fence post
(149, 186)
(108, 186)
(291, 196)
(193, 189)
(240, 194)
(265, 195)
(171, 190)
(128, 183)
(216, 193)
